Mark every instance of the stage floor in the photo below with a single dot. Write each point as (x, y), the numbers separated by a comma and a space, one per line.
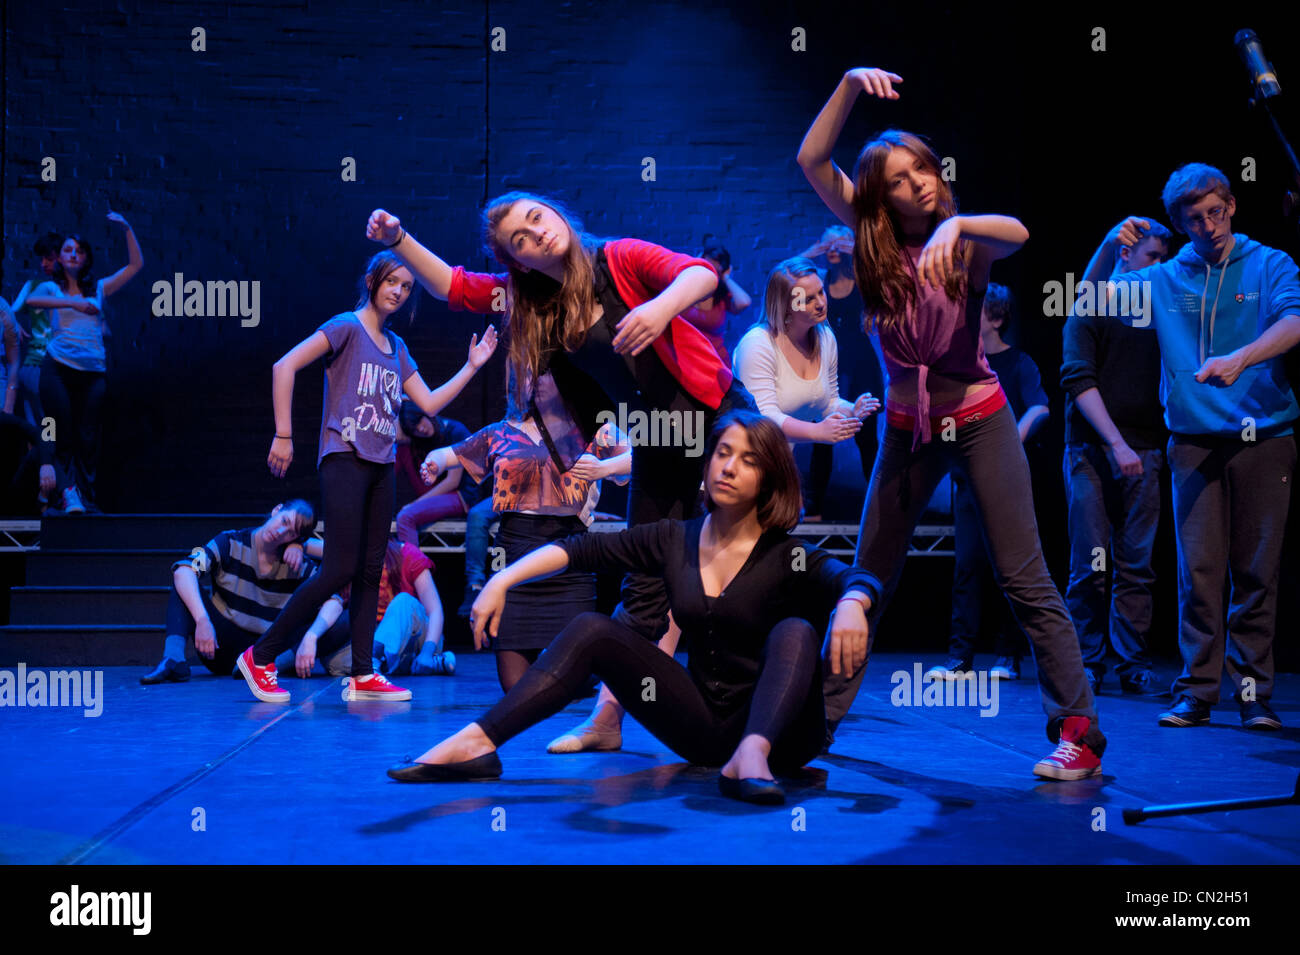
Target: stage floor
(305, 783)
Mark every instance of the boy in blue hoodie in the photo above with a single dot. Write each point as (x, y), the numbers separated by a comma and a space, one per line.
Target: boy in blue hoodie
(1225, 309)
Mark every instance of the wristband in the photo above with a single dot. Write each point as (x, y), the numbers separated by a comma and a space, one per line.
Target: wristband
(398, 242)
(856, 598)
(287, 437)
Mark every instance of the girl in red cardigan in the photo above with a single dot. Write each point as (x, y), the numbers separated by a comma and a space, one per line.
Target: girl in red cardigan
(602, 318)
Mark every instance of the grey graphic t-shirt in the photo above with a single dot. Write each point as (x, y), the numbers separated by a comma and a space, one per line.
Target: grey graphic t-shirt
(363, 391)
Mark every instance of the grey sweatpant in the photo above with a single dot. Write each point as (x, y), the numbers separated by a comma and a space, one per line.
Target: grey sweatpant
(990, 456)
(1231, 499)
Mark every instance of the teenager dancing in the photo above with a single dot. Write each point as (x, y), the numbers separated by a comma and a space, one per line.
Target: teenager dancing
(367, 370)
(602, 318)
(538, 505)
(74, 375)
(753, 601)
(922, 271)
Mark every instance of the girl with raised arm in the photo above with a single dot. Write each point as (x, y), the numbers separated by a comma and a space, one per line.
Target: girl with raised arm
(367, 369)
(922, 271)
(602, 318)
(74, 376)
(752, 599)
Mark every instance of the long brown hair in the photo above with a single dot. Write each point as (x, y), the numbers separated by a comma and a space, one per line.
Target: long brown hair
(885, 274)
(542, 315)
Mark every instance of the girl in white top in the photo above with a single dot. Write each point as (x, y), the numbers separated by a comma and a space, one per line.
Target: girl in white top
(788, 360)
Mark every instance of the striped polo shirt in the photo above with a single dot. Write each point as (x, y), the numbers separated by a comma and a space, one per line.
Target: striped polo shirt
(248, 601)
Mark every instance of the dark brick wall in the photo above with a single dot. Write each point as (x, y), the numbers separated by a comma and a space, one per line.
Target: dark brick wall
(227, 162)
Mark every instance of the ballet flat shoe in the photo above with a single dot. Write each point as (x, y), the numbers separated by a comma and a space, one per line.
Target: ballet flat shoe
(487, 766)
(764, 792)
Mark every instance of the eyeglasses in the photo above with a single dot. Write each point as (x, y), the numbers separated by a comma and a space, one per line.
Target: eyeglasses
(1213, 217)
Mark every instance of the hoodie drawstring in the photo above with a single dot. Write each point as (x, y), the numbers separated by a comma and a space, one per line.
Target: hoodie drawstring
(1214, 310)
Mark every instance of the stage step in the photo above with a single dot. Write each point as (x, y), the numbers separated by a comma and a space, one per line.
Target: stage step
(80, 646)
(75, 605)
(177, 531)
(101, 567)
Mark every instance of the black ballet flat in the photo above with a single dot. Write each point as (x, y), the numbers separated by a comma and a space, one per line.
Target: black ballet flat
(763, 792)
(169, 671)
(487, 766)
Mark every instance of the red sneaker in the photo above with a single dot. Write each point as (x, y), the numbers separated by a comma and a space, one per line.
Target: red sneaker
(373, 687)
(1072, 759)
(261, 680)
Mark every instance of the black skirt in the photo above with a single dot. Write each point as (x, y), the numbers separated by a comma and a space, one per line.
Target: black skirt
(535, 612)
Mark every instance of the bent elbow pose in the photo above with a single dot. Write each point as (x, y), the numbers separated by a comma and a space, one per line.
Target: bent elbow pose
(367, 371)
(922, 272)
(591, 314)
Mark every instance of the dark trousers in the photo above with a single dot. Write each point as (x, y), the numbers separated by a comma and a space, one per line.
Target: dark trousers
(665, 483)
(785, 708)
(358, 498)
(1231, 499)
(232, 640)
(971, 571)
(1113, 521)
(988, 454)
(75, 400)
(821, 465)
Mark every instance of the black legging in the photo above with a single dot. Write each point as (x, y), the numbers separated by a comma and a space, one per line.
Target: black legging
(513, 664)
(786, 706)
(75, 400)
(358, 498)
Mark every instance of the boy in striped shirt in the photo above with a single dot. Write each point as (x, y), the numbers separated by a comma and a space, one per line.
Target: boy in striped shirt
(252, 578)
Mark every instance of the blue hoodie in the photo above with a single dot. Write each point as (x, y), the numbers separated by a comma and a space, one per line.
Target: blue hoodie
(1203, 310)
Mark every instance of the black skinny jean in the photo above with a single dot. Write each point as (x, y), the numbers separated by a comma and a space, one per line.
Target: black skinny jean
(75, 400)
(358, 498)
(785, 708)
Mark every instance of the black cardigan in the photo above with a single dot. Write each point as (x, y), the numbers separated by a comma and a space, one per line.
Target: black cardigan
(783, 577)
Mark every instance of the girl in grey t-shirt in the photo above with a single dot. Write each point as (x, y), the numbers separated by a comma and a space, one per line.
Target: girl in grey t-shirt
(367, 369)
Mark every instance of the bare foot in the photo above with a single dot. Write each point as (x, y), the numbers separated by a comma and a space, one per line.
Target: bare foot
(749, 761)
(469, 743)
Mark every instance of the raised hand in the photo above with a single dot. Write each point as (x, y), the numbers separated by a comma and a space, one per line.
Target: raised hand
(875, 82)
(481, 351)
(1129, 232)
(383, 227)
(115, 217)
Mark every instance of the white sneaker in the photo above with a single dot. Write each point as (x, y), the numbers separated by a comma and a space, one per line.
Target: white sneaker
(72, 501)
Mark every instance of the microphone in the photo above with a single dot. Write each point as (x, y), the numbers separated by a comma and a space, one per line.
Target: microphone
(1261, 70)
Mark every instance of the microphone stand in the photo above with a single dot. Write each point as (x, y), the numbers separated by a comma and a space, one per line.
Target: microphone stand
(1291, 201)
